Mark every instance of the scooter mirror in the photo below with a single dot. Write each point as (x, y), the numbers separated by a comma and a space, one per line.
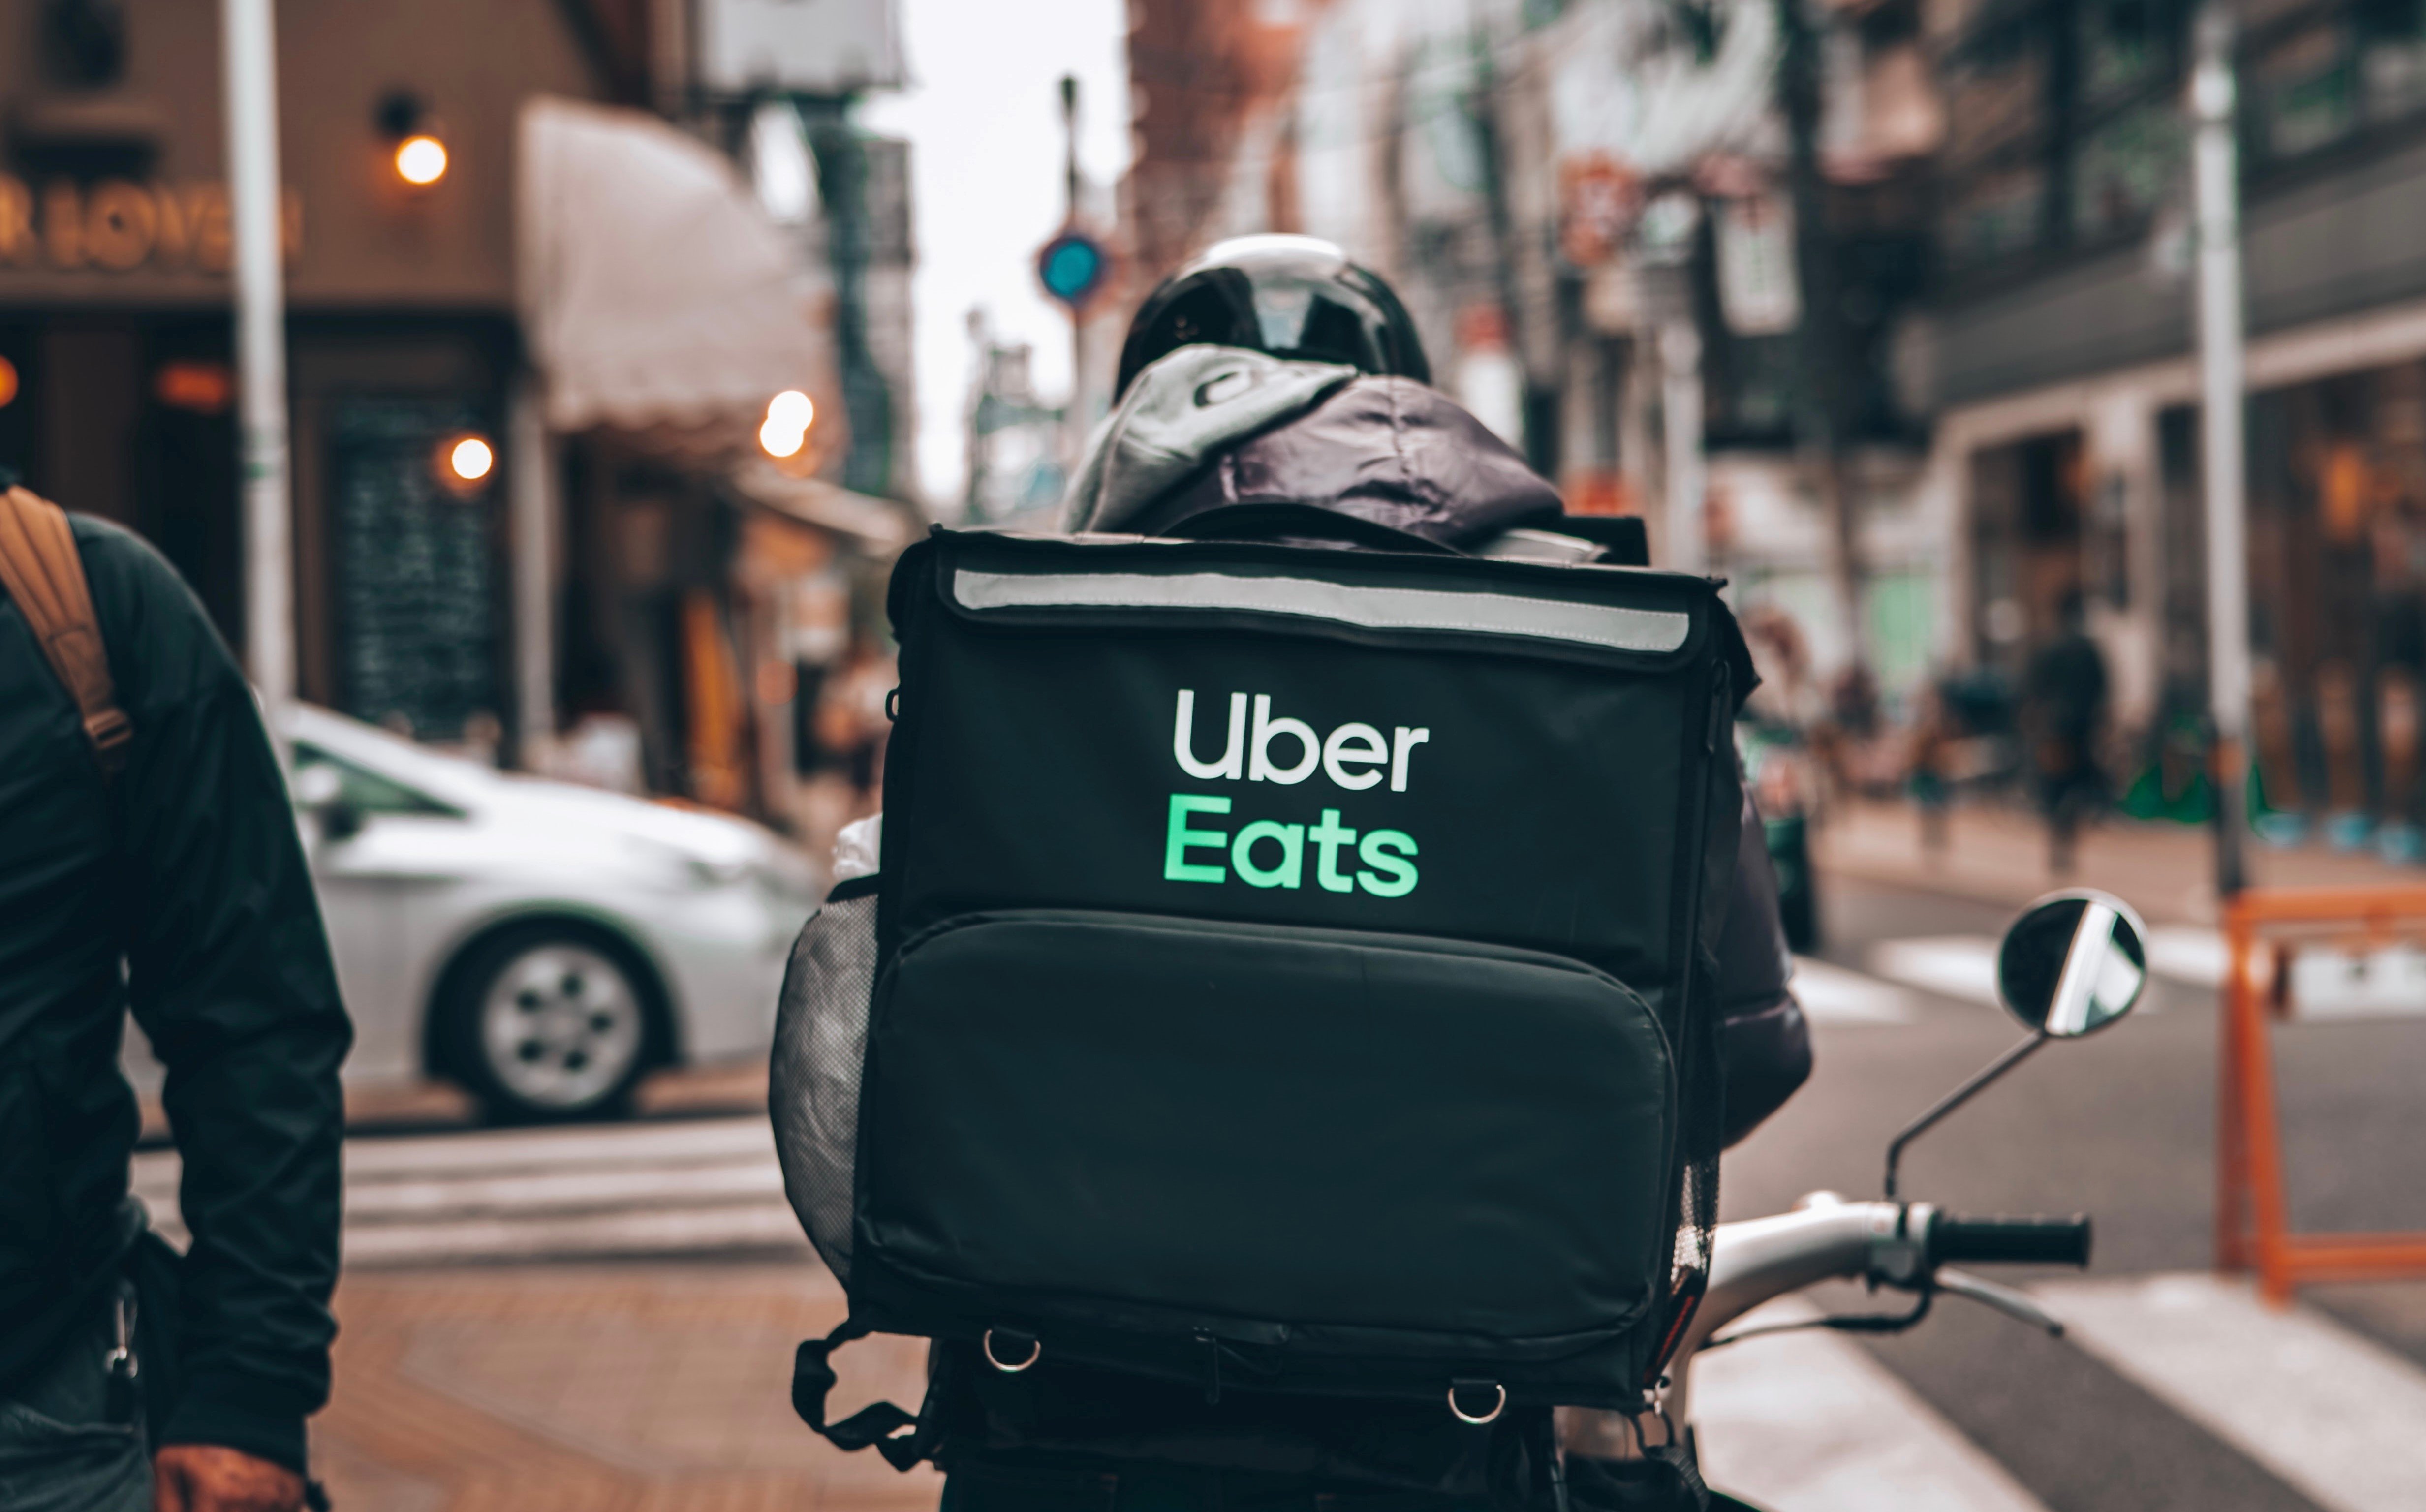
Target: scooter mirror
(2073, 963)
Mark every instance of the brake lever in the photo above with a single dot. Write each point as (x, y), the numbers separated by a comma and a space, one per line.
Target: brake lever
(2013, 1303)
(1855, 1323)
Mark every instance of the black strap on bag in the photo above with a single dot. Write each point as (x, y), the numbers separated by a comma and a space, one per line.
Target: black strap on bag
(1662, 1483)
(879, 1425)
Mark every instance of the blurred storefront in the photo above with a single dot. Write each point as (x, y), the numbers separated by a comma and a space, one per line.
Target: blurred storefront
(2338, 557)
(663, 309)
(114, 253)
(2065, 458)
(533, 328)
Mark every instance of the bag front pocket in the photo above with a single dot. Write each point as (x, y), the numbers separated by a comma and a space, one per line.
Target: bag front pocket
(1084, 1115)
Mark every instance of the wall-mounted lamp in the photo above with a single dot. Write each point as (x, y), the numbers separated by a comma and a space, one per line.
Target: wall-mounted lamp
(421, 161)
(471, 458)
(463, 462)
(8, 382)
(203, 387)
(420, 156)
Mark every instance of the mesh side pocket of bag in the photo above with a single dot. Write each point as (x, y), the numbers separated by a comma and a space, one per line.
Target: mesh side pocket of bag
(1696, 1223)
(813, 1090)
(1702, 1094)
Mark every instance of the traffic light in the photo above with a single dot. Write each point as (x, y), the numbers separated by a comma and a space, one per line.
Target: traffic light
(1072, 267)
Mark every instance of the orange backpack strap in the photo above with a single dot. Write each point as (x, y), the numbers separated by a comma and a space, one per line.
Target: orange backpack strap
(42, 570)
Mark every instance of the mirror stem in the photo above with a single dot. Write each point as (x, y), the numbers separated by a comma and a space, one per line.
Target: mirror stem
(1955, 1099)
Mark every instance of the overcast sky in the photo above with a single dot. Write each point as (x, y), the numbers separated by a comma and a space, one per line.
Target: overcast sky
(984, 119)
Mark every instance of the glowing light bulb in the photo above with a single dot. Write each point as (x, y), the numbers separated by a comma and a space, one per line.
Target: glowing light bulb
(471, 458)
(780, 442)
(421, 160)
(792, 409)
(785, 430)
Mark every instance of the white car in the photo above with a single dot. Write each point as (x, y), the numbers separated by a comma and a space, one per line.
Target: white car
(539, 944)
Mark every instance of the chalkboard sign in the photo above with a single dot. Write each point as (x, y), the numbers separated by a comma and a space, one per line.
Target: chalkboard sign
(415, 565)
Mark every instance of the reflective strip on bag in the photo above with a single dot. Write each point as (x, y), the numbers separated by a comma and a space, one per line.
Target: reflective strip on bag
(1615, 627)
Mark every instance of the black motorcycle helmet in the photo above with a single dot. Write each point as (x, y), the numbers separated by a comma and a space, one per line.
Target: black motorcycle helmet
(1293, 297)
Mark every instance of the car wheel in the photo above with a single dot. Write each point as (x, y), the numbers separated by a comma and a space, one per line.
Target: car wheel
(547, 1024)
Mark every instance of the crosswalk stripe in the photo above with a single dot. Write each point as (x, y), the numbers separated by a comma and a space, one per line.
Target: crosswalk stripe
(537, 1148)
(1963, 967)
(2339, 1418)
(2193, 956)
(1831, 994)
(2373, 982)
(567, 1191)
(646, 1188)
(155, 1181)
(750, 1226)
(1810, 1423)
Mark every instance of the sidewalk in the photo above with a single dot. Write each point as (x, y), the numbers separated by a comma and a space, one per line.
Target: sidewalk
(601, 1389)
(1999, 854)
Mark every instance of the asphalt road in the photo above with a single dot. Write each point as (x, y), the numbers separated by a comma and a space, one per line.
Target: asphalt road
(2119, 1125)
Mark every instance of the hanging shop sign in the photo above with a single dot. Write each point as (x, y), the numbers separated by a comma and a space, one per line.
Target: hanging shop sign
(118, 226)
(1599, 199)
(824, 47)
(1759, 292)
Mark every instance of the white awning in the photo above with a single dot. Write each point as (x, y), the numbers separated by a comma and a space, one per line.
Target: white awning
(881, 525)
(654, 291)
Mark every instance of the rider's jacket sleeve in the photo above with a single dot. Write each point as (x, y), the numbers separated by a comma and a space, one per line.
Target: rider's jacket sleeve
(1763, 1039)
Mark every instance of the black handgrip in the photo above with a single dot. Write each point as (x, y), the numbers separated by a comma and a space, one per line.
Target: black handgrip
(2015, 1241)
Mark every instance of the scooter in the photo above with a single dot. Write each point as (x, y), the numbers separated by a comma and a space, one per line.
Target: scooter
(2073, 963)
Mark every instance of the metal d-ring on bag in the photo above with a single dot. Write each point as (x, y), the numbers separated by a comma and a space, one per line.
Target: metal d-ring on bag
(1476, 1420)
(1035, 1352)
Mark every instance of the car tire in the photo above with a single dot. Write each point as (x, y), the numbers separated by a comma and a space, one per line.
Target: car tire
(548, 1024)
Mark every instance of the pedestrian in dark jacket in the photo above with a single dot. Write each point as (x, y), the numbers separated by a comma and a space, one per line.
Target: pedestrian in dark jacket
(176, 889)
(2063, 714)
(1217, 438)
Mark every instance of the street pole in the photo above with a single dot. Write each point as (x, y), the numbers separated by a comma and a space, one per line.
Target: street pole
(249, 45)
(1538, 406)
(1074, 414)
(2216, 189)
(1680, 407)
(1825, 347)
(530, 479)
(1070, 146)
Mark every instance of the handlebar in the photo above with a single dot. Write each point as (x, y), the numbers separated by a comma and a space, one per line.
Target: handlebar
(2011, 1241)
(1896, 1244)
(1908, 1245)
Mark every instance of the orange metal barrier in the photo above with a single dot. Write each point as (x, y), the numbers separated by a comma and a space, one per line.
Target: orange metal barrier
(2253, 1228)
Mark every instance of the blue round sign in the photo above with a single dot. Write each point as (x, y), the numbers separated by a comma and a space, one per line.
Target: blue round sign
(1072, 267)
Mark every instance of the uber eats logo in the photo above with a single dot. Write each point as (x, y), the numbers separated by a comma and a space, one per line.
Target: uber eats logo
(1270, 854)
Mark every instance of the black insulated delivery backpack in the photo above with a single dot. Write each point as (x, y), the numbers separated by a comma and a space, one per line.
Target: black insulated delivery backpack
(1289, 970)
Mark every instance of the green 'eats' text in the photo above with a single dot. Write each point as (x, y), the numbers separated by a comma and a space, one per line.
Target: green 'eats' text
(1269, 854)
